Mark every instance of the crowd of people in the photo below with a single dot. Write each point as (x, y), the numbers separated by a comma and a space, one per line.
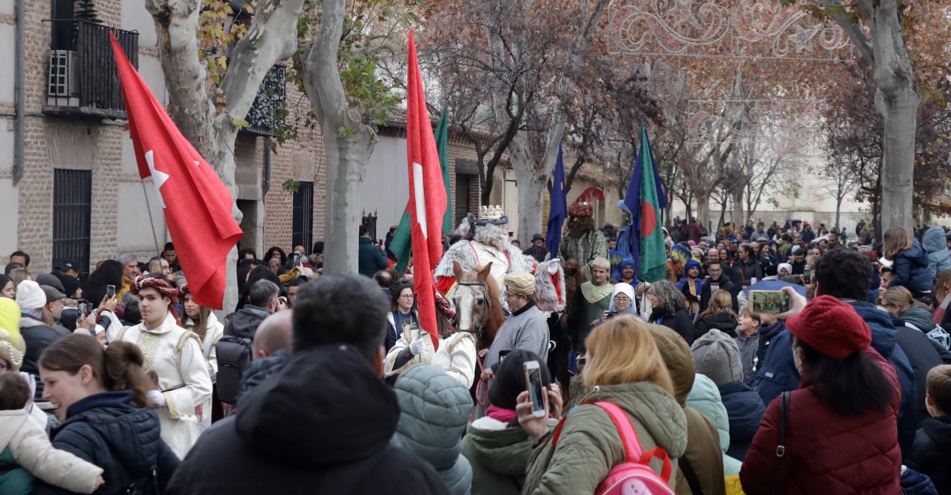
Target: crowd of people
(119, 382)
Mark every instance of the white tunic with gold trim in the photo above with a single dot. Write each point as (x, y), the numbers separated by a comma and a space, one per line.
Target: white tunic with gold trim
(183, 378)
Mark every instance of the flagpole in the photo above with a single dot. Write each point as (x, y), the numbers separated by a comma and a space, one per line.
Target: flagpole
(151, 222)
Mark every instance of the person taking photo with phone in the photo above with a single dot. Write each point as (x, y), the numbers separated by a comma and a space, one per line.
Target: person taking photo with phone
(624, 367)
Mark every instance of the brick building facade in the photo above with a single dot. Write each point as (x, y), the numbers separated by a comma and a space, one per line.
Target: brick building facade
(80, 189)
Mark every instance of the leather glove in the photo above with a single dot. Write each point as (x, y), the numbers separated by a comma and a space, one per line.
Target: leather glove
(416, 346)
(157, 398)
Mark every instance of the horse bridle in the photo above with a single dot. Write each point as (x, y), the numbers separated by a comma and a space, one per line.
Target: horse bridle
(488, 303)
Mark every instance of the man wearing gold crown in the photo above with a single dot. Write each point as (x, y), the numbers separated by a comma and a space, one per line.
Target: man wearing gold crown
(483, 241)
(583, 241)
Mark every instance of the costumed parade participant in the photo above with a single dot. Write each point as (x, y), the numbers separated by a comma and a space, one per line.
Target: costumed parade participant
(174, 359)
(583, 241)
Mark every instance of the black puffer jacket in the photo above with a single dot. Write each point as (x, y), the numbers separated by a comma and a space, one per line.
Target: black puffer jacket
(920, 350)
(931, 453)
(323, 424)
(108, 431)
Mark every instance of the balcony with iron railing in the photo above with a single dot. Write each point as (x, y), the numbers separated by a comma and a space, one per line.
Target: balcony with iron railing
(83, 80)
(266, 113)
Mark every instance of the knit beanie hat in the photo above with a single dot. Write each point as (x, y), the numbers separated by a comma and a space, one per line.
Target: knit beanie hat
(9, 352)
(30, 295)
(716, 355)
(831, 327)
(522, 284)
(787, 266)
(692, 264)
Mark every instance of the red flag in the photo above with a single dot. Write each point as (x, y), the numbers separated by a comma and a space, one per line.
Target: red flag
(197, 205)
(427, 196)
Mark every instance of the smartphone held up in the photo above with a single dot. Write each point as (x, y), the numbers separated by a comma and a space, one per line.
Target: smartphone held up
(769, 301)
(533, 382)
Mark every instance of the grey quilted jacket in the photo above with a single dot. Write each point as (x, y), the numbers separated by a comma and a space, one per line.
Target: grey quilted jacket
(434, 411)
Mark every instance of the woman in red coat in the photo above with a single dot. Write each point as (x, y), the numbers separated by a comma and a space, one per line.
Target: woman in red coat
(841, 433)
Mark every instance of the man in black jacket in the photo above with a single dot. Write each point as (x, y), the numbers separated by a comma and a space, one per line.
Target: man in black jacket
(716, 280)
(323, 424)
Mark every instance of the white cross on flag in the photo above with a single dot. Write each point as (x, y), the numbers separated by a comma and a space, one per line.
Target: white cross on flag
(197, 205)
(427, 196)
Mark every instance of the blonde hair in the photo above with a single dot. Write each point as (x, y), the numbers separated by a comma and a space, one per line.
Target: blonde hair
(896, 240)
(623, 351)
(720, 302)
(899, 297)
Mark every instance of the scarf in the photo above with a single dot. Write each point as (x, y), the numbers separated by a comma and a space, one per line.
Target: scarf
(499, 414)
(594, 293)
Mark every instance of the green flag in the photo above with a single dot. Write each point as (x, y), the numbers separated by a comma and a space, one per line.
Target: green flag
(402, 245)
(653, 255)
(442, 147)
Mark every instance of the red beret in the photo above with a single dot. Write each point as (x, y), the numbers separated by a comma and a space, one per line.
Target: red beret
(831, 327)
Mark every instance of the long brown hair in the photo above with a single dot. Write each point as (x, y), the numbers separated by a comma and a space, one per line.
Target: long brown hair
(199, 326)
(720, 302)
(896, 240)
(119, 367)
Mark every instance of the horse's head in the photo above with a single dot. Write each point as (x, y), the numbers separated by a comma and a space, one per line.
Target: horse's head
(472, 298)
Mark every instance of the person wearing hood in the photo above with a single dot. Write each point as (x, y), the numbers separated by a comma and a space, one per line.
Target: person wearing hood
(690, 286)
(716, 279)
(35, 333)
(497, 447)
(718, 315)
(101, 398)
(627, 272)
(843, 274)
(622, 301)
(624, 367)
(702, 462)
(705, 398)
(840, 433)
(717, 356)
(325, 423)
(912, 322)
(434, 411)
(911, 263)
(935, 245)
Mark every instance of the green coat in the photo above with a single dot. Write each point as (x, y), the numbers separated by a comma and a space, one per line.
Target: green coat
(590, 445)
(14, 480)
(580, 315)
(499, 456)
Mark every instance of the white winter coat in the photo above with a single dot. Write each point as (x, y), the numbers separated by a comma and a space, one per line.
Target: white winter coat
(33, 451)
(456, 355)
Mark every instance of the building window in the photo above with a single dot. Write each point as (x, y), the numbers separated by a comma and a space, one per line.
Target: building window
(72, 198)
(303, 234)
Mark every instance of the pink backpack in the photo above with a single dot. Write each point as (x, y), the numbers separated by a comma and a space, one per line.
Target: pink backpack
(634, 476)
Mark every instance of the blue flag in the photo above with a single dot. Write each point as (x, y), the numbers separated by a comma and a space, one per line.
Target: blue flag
(558, 209)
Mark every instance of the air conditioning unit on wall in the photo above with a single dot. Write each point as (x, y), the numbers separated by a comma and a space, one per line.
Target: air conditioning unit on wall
(63, 79)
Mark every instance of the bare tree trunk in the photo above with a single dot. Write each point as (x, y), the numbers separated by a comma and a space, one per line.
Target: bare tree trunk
(210, 129)
(896, 99)
(739, 216)
(348, 142)
(703, 206)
